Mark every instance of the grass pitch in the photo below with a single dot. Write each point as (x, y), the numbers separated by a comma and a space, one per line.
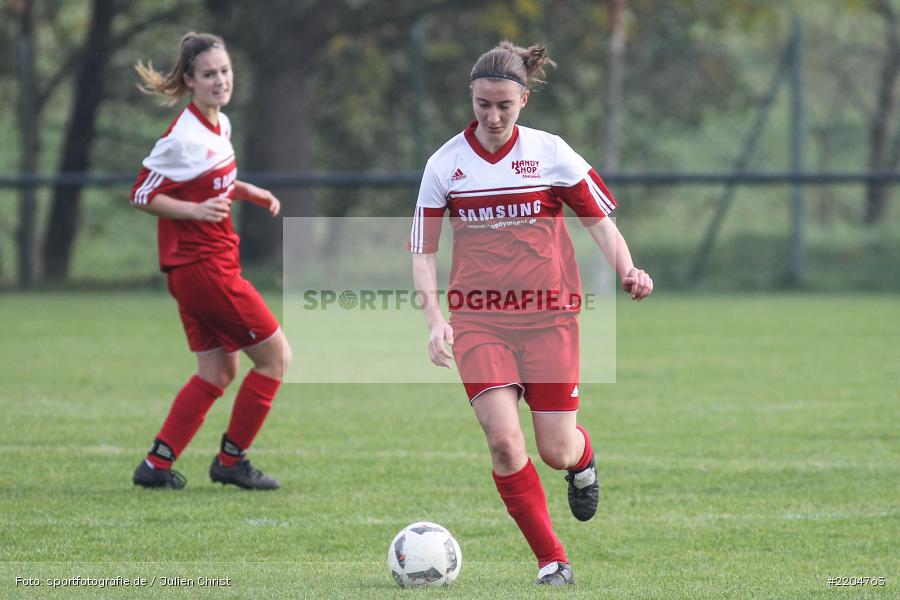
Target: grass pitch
(749, 449)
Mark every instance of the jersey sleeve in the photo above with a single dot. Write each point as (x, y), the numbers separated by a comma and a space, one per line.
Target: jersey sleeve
(579, 185)
(149, 184)
(424, 238)
(158, 170)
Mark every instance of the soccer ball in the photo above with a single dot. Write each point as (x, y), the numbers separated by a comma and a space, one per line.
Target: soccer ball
(424, 554)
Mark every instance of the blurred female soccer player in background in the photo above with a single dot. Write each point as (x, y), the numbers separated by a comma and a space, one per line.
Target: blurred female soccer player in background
(189, 181)
(505, 187)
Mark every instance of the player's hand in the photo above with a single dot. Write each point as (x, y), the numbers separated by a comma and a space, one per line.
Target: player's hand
(266, 199)
(638, 283)
(213, 210)
(274, 204)
(259, 196)
(441, 336)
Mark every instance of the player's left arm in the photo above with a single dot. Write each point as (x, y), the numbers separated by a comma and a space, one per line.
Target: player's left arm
(257, 195)
(608, 237)
(585, 192)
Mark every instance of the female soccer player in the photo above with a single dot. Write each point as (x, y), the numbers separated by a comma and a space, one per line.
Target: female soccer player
(514, 288)
(189, 181)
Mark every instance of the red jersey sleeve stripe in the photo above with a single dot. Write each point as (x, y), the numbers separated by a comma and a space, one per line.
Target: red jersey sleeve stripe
(155, 183)
(600, 191)
(426, 230)
(145, 188)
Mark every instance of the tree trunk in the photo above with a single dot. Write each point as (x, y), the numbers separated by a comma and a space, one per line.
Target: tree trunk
(879, 128)
(65, 213)
(30, 147)
(281, 130)
(614, 85)
(277, 141)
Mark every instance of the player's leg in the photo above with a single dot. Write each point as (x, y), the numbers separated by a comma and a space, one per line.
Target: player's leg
(188, 285)
(563, 444)
(514, 474)
(271, 358)
(551, 359)
(497, 412)
(240, 319)
(560, 443)
(489, 371)
(217, 367)
(215, 371)
(254, 399)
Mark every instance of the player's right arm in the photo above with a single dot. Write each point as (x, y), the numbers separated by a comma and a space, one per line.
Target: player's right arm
(211, 210)
(423, 244)
(440, 334)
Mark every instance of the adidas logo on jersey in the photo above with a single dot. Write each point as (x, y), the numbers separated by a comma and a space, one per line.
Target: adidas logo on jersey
(574, 393)
(458, 176)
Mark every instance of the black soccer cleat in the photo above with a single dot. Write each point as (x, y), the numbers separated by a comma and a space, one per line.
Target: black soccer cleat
(584, 492)
(148, 477)
(243, 475)
(558, 573)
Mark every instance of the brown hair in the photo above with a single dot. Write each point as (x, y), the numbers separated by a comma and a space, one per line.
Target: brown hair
(172, 86)
(508, 61)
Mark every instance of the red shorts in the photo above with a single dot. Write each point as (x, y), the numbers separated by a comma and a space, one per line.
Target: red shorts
(218, 307)
(541, 359)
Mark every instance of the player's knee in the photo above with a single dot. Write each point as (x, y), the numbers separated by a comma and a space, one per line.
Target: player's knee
(220, 377)
(278, 365)
(507, 449)
(274, 362)
(227, 375)
(556, 457)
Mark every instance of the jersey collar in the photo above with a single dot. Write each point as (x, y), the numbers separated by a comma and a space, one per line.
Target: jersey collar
(216, 129)
(491, 157)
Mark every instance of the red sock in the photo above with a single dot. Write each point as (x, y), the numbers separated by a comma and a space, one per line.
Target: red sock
(184, 419)
(251, 406)
(524, 498)
(588, 454)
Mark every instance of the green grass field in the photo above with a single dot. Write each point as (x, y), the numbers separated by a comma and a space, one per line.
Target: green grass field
(749, 449)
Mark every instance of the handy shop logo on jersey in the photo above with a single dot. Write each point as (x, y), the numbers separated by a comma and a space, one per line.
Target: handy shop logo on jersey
(529, 169)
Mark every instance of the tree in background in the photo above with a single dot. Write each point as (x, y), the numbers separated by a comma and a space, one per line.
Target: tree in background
(884, 135)
(91, 62)
(93, 57)
(336, 87)
(615, 75)
(283, 45)
(29, 140)
(63, 44)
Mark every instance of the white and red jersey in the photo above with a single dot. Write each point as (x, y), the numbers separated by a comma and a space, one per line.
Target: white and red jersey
(506, 212)
(193, 161)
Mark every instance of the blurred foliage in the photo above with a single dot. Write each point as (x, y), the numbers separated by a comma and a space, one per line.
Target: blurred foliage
(695, 72)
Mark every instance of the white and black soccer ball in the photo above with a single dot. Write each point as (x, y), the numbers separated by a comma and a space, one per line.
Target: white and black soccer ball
(424, 554)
